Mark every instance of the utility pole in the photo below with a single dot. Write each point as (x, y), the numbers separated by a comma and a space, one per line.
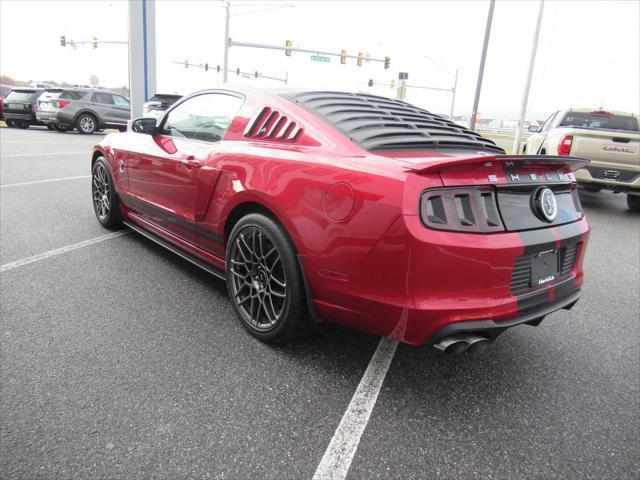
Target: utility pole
(453, 94)
(225, 61)
(525, 95)
(487, 33)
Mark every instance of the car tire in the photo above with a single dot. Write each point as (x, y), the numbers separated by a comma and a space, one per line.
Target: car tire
(10, 124)
(86, 124)
(104, 196)
(633, 202)
(264, 280)
(49, 127)
(22, 124)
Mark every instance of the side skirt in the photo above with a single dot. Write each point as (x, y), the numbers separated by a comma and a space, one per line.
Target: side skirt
(178, 251)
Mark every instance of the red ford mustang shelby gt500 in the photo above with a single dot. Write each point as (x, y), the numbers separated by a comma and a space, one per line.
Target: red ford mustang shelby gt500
(350, 208)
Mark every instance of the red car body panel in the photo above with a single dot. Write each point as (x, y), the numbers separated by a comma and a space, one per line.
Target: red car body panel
(352, 215)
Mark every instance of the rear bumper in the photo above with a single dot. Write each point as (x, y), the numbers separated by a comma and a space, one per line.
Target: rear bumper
(492, 328)
(29, 117)
(416, 282)
(628, 179)
(65, 118)
(47, 117)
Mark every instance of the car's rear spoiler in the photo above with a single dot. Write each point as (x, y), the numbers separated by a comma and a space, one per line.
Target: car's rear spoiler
(568, 164)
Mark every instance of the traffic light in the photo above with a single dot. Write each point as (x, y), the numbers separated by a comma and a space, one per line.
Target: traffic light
(387, 61)
(343, 57)
(238, 71)
(287, 51)
(206, 67)
(95, 43)
(370, 82)
(257, 74)
(63, 41)
(359, 59)
(218, 68)
(186, 64)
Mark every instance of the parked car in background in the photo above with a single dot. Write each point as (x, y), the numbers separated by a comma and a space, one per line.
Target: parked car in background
(611, 140)
(158, 104)
(52, 101)
(4, 91)
(95, 110)
(20, 107)
(350, 208)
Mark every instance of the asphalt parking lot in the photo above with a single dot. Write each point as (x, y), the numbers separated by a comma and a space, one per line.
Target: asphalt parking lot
(120, 360)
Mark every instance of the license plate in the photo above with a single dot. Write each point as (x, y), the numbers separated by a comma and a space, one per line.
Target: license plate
(544, 267)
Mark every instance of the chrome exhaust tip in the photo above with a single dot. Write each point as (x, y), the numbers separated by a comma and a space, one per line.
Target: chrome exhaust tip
(477, 343)
(452, 345)
(457, 344)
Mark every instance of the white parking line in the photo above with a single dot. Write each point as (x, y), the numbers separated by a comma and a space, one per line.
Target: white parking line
(61, 250)
(7, 155)
(337, 459)
(8, 185)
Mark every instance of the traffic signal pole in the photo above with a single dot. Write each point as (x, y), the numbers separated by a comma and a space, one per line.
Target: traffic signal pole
(525, 95)
(358, 57)
(485, 45)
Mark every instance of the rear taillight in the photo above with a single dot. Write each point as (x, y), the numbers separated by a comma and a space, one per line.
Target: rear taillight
(472, 210)
(564, 147)
(63, 103)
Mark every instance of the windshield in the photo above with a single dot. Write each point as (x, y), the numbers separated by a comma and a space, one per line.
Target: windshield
(600, 121)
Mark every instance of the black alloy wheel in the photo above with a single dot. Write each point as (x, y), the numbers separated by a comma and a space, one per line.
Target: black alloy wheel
(103, 194)
(264, 280)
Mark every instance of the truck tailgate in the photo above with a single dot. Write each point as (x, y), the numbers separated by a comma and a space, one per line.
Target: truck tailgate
(616, 149)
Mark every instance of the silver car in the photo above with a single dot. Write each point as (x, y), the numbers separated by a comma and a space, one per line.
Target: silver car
(95, 110)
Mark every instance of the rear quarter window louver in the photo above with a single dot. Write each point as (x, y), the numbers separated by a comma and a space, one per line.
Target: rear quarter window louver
(270, 124)
(379, 123)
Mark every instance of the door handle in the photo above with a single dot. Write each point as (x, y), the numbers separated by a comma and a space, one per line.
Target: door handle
(190, 163)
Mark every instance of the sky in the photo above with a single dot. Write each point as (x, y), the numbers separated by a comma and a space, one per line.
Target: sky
(588, 54)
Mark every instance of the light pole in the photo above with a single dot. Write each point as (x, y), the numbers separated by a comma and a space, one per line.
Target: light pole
(227, 16)
(448, 68)
(225, 61)
(525, 95)
(485, 45)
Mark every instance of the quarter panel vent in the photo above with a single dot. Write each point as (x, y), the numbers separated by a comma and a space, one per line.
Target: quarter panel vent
(271, 125)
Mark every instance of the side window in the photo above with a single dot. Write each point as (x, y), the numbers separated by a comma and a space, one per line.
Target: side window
(121, 101)
(205, 117)
(100, 97)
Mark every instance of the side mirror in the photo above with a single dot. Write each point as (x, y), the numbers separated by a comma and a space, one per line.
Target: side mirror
(534, 128)
(145, 125)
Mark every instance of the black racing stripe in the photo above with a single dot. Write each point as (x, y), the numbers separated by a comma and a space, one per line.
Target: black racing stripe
(565, 289)
(170, 218)
(540, 298)
(535, 241)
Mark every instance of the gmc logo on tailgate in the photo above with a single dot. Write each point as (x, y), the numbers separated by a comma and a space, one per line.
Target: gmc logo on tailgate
(616, 148)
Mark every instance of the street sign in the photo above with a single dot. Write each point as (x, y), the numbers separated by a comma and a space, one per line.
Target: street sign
(320, 58)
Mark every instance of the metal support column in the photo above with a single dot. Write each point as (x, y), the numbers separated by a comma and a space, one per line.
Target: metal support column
(485, 45)
(525, 95)
(142, 53)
